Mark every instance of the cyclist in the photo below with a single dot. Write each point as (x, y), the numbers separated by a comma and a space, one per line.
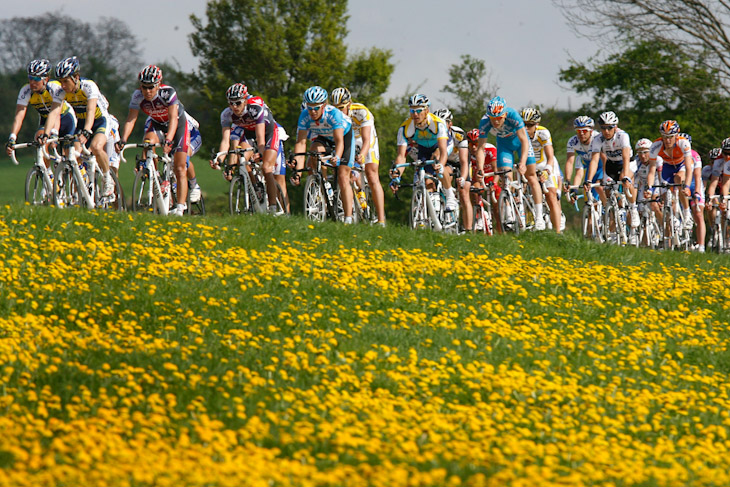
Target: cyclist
(425, 136)
(615, 145)
(641, 175)
(507, 124)
(42, 94)
(697, 202)
(367, 153)
(490, 166)
(167, 118)
(546, 163)
(232, 123)
(91, 109)
(330, 131)
(712, 177)
(725, 188)
(459, 158)
(580, 145)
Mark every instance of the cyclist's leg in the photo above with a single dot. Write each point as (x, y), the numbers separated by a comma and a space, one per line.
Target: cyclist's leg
(372, 164)
(347, 162)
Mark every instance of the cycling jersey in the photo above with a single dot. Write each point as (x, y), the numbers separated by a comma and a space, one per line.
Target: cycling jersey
(641, 175)
(583, 153)
(158, 109)
(361, 117)
(88, 90)
(613, 147)
(675, 156)
(457, 140)
(539, 141)
(322, 130)
(507, 139)
(422, 142)
(42, 101)
(490, 161)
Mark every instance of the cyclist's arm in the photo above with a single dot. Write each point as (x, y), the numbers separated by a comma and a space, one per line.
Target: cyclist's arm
(725, 187)
(689, 164)
(626, 156)
(53, 120)
(367, 134)
(593, 166)
(224, 145)
(481, 143)
(443, 145)
(90, 112)
(20, 111)
(464, 163)
(525, 144)
(129, 124)
(300, 146)
(172, 113)
(400, 158)
(339, 136)
(549, 152)
(569, 162)
(261, 137)
(712, 185)
(650, 176)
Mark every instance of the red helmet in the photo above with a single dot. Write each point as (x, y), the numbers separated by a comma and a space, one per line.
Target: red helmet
(473, 135)
(255, 100)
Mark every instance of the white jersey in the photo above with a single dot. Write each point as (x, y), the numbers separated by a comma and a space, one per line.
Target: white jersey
(458, 136)
(539, 141)
(641, 174)
(613, 147)
(582, 151)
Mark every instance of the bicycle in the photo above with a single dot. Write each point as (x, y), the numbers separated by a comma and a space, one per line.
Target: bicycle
(614, 225)
(363, 209)
(592, 215)
(483, 220)
(649, 233)
(319, 193)
(80, 182)
(516, 208)
(676, 235)
(247, 190)
(428, 208)
(39, 180)
(720, 227)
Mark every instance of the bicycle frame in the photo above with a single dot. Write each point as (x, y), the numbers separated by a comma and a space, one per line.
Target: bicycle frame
(318, 189)
(673, 225)
(38, 166)
(85, 184)
(592, 215)
(155, 196)
(421, 203)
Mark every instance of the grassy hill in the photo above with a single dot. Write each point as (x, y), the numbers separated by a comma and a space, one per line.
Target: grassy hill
(138, 351)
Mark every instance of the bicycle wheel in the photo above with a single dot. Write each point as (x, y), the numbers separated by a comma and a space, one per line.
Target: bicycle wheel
(418, 217)
(115, 201)
(611, 225)
(36, 191)
(65, 189)
(239, 197)
(315, 207)
(142, 197)
(670, 236)
(587, 225)
(716, 240)
(449, 219)
(529, 209)
(508, 213)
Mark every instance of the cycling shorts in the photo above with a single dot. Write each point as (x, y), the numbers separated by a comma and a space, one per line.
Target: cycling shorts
(506, 148)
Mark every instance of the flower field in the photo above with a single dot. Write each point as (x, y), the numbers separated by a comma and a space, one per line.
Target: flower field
(138, 351)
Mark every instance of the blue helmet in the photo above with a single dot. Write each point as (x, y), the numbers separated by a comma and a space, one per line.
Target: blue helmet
(686, 136)
(315, 94)
(39, 67)
(67, 67)
(583, 121)
(496, 107)
(419, 100)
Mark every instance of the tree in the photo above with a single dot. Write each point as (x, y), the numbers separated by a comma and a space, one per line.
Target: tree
(279, 48)
(699, 26)
(471, 84)
(648, 83)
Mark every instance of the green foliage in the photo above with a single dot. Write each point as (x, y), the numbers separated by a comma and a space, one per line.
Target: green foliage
(280, 48)
(470, 84)
(649, 82)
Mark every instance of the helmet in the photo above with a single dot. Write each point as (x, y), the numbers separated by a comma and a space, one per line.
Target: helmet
(725, 144)
(642, 145)
(686, 136)
(67, 67)
(315, 94)
(236, 91)
(255, 100)
(473, 135)
(150, 74)
(419, 100)
(340, 96)
(532, 115)
(669, 127)
(715, 153)
(444, 114)
(583, 122)
(608, 118)
(39, 67)
(496, 106)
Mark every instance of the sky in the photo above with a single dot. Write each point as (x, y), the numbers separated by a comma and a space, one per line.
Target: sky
(524, 43)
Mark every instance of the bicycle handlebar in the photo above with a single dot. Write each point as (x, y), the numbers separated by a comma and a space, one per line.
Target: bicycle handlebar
(34, 143)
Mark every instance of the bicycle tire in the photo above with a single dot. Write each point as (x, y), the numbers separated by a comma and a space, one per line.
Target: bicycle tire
(65, 190)
(36, 191)
(668, 230)
(612, 219)
(116, 202)
(508, 213)
(142, 197)
(418, 216)
(315, 206)
(239, 197)
(197, 208)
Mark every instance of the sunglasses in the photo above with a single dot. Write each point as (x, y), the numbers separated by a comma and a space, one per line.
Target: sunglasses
(148, 87)
(35, 78)
(607, 127)
(583, 131)
(341, 107)
(235, 103)
(417, 110)
(314, 108)
(726, 153)
(530, 124)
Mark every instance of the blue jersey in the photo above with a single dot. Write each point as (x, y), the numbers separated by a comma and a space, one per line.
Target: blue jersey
(331, 119)
(511, 125)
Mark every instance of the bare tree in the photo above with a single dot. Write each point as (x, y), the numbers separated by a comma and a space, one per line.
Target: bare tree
(700, 26)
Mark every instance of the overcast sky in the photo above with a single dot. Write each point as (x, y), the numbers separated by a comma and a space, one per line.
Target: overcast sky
(523, 42)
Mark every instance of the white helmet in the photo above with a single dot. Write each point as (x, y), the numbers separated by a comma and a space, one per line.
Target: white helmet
(608, 118)
(642, 145)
